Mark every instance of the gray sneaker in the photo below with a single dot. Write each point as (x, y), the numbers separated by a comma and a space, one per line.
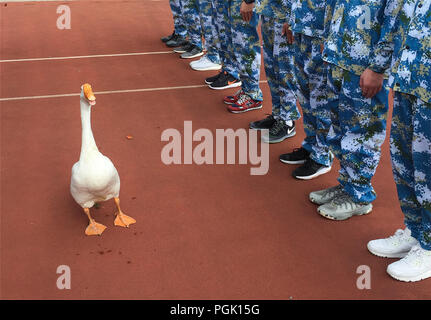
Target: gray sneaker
(343, 207)
(279, 132)
(324, 196)
(192, 52)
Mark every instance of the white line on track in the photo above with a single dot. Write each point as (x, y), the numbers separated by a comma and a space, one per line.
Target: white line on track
(107, 92)
(89, 56)
(102, 92)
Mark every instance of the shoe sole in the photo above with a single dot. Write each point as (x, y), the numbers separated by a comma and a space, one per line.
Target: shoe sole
(386, 255)
(280, 139)
(318, 173)
(234, 85)
(193, 56)
(180, 51)
(291, 162)
(327, 216)
(420, 277)
(206, 69)
(246, 110)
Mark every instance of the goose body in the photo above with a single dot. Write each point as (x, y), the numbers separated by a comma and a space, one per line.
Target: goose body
(94, 176)
(94, 180)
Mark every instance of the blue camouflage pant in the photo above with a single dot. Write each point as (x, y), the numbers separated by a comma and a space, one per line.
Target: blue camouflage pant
(246, 47)
(278, 54)
(411, 163)
(206, 9)
(310, 81)
(357, 133)
(193, 22)
(239, 45)
(223, 37)
(179, 24)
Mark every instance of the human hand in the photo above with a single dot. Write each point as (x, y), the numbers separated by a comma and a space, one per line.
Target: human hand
(288, 33)
(371, 83)
(246, 11)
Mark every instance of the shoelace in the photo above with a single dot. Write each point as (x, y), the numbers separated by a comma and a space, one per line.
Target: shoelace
(344, 200)
(204, 59)
(243, 98)
(278, 125)
(398, 234)
(223, 77)
(331, 192)
(191, 47)
(176, 37)
(238, 93)
(414, 253)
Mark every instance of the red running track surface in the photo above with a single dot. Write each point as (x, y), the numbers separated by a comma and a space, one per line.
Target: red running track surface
(203, 232)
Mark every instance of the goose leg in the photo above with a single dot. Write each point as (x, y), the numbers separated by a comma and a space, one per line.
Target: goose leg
(121, 219)
(94, 228)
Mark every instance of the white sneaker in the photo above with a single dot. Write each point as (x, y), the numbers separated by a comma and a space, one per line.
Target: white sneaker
(396, 246)
(415, 266)
(205, 64)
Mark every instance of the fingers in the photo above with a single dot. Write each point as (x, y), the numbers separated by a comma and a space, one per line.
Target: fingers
(249, 16)
(290, 38)
(246, 15)
(370, 91)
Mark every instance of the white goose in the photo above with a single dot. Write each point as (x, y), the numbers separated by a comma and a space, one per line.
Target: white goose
(94, 177)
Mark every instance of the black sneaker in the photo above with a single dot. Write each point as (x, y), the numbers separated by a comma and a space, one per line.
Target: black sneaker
(212, 79)
(310, 169)
(166, 39)
(279, 132)
(298, 156)
(184, 48)
(225, 81)
(193, 52)
(176, 41)
(266, 123)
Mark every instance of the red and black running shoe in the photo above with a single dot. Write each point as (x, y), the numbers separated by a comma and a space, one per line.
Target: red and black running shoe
(245, 103)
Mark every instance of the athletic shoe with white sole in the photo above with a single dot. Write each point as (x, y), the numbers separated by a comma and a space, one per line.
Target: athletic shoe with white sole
(263, 124)
(415, 266)
(204, 64)
(192, 52)
(343, 207)
(310, 170)
(225, 81)
(279, 132)
(176, 41)
(324, 196)
(245, 103)
(297, 156)
(168, 38)
(184, 48)
(395, 246)
(212, 79)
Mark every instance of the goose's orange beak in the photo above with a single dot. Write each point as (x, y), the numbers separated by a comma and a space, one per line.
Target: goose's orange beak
(88, 93)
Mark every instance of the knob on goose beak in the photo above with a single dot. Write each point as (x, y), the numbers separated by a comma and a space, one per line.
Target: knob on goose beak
(88, 93)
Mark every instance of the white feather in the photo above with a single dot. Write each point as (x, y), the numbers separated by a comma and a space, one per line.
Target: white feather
(94, 176)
